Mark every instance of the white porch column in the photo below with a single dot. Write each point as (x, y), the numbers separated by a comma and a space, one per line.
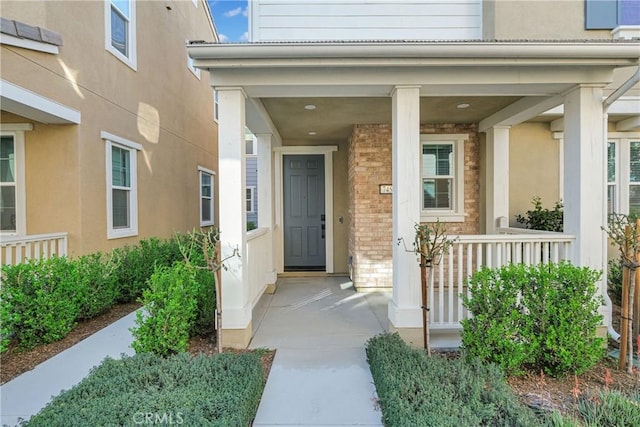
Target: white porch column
(497, 176)
(236, 304)
(404, 308)
(266, 196)
(584, 183)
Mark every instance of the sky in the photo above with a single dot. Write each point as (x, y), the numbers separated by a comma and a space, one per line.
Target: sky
(230, 17)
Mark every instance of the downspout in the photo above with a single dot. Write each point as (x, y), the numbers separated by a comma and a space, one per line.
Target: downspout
(624, 88)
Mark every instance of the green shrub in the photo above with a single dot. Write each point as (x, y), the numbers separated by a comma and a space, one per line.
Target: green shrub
(542, 218)
(134, 265)
(610, 408)
(38, 302)
(191, 246)
(417, 390)
(537, 317)
(96, 287)
(169, 311)
(219, 390)
(614, 281)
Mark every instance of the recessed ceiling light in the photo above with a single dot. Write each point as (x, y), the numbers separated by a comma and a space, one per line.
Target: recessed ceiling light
(463, 105)
(312, 132)
(309, 107)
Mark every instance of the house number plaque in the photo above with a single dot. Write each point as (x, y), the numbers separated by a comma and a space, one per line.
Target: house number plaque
(386, 188)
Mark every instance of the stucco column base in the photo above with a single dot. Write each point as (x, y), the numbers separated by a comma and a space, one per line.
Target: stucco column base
(237, 338)
(271, 289)
(412, 336)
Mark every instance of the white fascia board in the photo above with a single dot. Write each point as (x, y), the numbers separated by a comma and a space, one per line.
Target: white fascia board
(520, 111)
(28, 44)
(471, 50)
(623, 106)
(23, 102)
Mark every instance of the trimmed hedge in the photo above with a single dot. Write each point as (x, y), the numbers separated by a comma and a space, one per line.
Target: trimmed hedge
(219, 390)
(417, 390)
(537, 317)
(38, 303)
(41, 300)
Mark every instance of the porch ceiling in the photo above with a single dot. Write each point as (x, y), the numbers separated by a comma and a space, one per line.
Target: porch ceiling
(334, 117)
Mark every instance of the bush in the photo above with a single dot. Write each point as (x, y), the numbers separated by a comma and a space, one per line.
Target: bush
(536, 317)
(610, 408)
(541, 218)
(96, 286)
(134, 265)
(219, 390)
(191, 246)
(614, 281)
(169, 311)
(38, 302)
(416, 390)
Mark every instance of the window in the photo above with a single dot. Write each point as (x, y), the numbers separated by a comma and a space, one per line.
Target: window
(442, 179)
(206, 196)
(120, 30)
(612, 178)
(215, 105)
(250, 147)
(12, 179)
(634, 178)
(609, 14)
(122, 191)
(251, 197)
(623, 175)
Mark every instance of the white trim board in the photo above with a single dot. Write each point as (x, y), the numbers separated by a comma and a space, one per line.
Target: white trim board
(280, 152)
(23, 102)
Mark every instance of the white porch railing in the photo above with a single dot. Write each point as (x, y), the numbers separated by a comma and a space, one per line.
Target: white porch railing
(470, 253)
(258, 249)
(16, 249)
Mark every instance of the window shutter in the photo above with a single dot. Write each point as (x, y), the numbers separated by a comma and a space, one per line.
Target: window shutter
(601, 14)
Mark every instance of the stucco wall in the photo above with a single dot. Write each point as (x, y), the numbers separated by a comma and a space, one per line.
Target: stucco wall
(533, 168)
(370, 164)
(161, 105)
(539, 20)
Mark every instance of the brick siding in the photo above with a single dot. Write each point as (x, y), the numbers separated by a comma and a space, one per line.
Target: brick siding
(370, 234)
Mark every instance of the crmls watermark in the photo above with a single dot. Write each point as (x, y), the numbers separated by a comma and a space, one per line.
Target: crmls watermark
(167, 418)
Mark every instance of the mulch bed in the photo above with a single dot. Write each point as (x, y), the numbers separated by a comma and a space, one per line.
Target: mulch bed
(16, 361)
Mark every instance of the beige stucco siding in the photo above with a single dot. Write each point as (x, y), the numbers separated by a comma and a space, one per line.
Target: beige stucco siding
(161, 105)
(533, 167)
(539, 20)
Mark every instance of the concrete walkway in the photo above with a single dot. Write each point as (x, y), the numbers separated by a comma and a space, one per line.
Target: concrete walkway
(320, 376)
(25, 395)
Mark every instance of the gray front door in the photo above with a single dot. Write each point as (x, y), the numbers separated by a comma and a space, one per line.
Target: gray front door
(304, 216)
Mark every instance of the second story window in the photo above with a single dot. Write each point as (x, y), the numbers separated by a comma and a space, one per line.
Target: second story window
(120, 30)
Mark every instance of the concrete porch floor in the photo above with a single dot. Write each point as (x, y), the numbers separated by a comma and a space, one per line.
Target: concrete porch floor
(320, 376)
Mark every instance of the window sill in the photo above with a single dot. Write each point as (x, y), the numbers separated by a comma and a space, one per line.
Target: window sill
(130, 62)
(443, 216)
(119, 234)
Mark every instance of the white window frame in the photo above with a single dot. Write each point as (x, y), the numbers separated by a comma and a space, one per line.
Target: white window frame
(133, 148)
(456, 213)
(254, 146)
(216, 105)
(204, 171)
(131, 58)
(622, 141)
(17, 131)
(616, 175)
(251, 199)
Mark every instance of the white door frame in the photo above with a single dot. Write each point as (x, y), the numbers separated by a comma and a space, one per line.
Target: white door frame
(280, 152)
